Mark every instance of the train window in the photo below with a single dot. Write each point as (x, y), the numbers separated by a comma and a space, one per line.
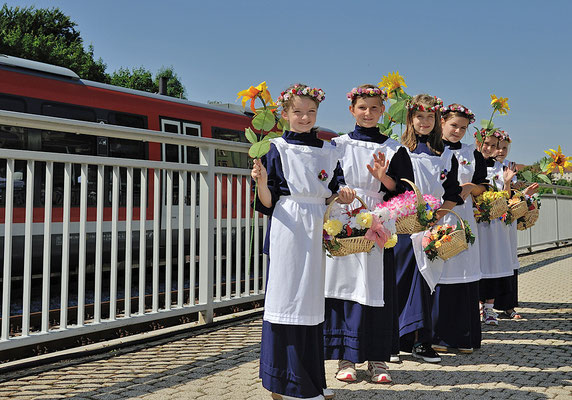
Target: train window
(69, 143)
(12, 137)
(11, 103)
(132, 120)
(69, 112)
(224, 158)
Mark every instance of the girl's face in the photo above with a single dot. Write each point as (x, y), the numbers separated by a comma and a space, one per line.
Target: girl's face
(454, 128)
(301, 115)
(423, 122)
(502, 150)
(367, 111)
(490, 147)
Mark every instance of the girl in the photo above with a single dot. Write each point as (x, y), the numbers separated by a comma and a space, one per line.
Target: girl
(435, 170)
(455, 312)
(360, 288)
(293, 186)
(494, 237)
(509, 301)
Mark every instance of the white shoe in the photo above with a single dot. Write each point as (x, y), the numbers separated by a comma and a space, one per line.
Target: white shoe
(394, 358)
(378, 372)
(328, 394)
(490, 317)
(346, 371)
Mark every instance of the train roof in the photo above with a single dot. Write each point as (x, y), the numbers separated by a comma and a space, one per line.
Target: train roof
(53, 71)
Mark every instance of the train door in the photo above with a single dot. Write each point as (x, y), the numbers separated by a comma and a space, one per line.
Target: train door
(177, 154)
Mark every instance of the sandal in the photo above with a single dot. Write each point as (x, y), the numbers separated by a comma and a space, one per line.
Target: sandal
(512, 314)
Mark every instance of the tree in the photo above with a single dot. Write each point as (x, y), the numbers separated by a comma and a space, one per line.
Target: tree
(174, 86)
(49, 36)
(142, 79)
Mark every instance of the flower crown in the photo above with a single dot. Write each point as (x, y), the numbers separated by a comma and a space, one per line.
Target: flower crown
(301, 90)
(498, 133)
(419, 107)
(460, 109)
(355, 92)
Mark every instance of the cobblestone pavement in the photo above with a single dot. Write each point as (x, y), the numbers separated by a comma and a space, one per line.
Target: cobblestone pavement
(526, 359)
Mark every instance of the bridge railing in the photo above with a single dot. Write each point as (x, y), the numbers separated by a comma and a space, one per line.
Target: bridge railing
(121, 241)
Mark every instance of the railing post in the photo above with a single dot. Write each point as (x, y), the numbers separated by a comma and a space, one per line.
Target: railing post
(206, 242)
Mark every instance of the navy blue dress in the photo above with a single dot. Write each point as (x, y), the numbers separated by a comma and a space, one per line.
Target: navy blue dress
(455, 310)
(357, 332)
(414, 296)
(291, 356)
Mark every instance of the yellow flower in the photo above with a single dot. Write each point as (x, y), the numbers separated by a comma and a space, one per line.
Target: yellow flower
(392, 82)
(429, 214)
(253, 92)
(500, 104)
(437, 244)
(391, 242)
(333, 227)
(559, 160)
(364, 220)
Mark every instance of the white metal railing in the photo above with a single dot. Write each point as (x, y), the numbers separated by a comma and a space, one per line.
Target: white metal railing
(188, 271)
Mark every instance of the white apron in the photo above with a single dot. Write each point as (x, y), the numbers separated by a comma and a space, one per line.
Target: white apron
(494, 237)
(295, 289)
(513, 233)
(359, 277)
(427, 171)
(465, 267)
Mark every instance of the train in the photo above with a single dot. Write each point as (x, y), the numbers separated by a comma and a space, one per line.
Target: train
(33, 87)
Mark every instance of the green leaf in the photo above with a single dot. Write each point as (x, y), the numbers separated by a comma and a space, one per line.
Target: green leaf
(264, 121)
(487, 124)
(479, 136)
(388, 132)
(527, 175)
(543, 164)
(259, 149)
(398, 112)
(250, 135)
(272, 135)
(283, 125)
(544, 178)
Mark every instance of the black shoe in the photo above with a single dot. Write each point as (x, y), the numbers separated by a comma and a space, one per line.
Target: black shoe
(426, 353)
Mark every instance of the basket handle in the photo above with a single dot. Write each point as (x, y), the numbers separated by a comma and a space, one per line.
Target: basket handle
(457, 215)
(327, 214)
(418, 195)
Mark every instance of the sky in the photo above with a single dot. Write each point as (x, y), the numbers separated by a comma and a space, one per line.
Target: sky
(460, 51)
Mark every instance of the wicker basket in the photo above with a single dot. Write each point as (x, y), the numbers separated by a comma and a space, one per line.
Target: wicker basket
(457, 244)
(410, 224)
(518, 209)
(498, 208)
(351, 245)
(529, 218)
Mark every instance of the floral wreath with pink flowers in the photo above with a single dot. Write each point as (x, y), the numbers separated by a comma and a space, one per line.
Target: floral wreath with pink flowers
(301, 90)
(498, 133)
(355, 92)
(459, 109)
(419, 107)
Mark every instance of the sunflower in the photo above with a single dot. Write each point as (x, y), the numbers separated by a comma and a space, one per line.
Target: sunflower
(500, 104)
(559, 160)
(253, 92)
(392, 83)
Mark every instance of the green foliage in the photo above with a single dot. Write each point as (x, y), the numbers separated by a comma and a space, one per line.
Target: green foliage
(49, 36)
(264, 120)
(398, 112)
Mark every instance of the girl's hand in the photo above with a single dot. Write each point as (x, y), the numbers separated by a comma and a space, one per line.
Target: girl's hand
(380, 166)
(259, 173)
(346, 195)
(529, 191)
(466, 189)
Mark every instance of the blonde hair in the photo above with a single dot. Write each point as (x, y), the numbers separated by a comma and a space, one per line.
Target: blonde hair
(287, 100)
(435, 142)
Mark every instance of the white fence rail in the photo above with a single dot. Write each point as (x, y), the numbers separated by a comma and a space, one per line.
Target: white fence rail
(117, 250)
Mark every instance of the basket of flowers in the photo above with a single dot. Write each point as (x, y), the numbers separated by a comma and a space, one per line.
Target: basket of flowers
(491, 205)
(446, 241)
(517, 205)
(532, 213)
(412, 210)
(355, 231)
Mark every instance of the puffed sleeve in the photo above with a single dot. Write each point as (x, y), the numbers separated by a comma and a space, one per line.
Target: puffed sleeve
(399, 167)
(451, 184)
(480, 174)
(338, 180)
(276, 181)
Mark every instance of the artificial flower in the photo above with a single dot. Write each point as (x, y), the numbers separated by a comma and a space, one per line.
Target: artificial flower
(559, 160)
(253, 92)
(333, 227)
(391, 242)
(500, 104)
(392, 83)
(364, 220)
